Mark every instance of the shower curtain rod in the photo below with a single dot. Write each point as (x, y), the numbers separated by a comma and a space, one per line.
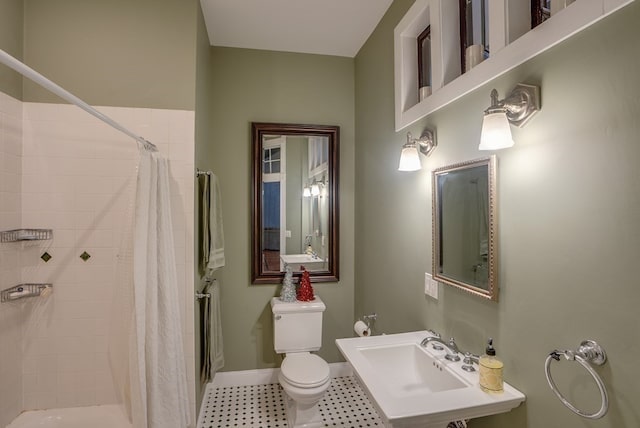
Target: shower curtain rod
(38, 78)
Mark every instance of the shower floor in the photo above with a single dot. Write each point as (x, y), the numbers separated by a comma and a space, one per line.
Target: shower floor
(263, 406)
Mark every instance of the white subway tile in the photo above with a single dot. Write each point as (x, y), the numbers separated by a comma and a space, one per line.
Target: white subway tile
(29, 383)
(80, 175)
(30, 401)
(10, 182)
(159, 131)
(46, 400)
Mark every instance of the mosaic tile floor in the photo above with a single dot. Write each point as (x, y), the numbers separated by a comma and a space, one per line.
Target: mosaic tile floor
(263, 406)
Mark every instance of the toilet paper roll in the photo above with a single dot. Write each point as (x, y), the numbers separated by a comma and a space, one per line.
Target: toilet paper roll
(361, 329)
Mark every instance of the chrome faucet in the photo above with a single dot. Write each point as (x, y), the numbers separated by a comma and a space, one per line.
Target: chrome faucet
(451, 347)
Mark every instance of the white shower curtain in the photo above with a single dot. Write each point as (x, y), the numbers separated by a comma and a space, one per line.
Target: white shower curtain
(157, 371)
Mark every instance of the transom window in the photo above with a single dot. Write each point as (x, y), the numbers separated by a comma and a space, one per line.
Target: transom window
(271, 160)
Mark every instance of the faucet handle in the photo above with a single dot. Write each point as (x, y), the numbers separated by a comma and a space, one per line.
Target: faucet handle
(469, 359)
(434, 333)
(435, 345)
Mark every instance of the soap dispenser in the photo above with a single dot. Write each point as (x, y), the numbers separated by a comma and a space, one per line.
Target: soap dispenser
(491, 370)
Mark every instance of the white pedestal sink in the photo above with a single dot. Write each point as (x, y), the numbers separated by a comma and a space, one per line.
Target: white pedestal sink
(296, 261)
(413, 386)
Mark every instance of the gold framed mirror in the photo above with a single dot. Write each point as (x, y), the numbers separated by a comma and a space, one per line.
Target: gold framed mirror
(295, 201)
(465, 224)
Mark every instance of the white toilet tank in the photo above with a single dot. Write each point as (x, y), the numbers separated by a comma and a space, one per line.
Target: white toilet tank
(297, 326)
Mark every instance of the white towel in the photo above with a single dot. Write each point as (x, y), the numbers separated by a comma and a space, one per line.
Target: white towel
(216, 233)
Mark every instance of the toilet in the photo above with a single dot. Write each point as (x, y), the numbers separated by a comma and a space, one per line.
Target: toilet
(305, 377)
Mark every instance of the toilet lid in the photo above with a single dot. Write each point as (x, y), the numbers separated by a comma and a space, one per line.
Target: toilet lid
(304, 370)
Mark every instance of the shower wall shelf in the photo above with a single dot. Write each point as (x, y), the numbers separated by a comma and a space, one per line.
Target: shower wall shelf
(25, 290)
(26, 235)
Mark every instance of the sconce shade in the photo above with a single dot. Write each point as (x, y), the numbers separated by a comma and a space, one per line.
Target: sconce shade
(306, 192)
(409, 159)
(496, 132)
(315, 189)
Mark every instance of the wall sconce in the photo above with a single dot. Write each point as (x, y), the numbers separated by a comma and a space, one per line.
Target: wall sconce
(517, 108)
(409, 157)
(315, 189)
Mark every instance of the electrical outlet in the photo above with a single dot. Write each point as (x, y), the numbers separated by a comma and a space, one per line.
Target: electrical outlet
(427, 284)
(430, 286)
(287, 234)
(434, 288)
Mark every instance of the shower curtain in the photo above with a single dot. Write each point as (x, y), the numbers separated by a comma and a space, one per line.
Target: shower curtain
(149, 369)
(157, 363)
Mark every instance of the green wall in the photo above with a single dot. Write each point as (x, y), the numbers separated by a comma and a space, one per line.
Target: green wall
(263, 86)
(11, 24)
(569, 203)
(203, 161)
(117, 53)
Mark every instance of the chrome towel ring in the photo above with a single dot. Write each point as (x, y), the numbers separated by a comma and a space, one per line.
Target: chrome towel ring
(588, 353)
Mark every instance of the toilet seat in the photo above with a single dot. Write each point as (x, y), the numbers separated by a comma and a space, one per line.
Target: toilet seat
(304, 370)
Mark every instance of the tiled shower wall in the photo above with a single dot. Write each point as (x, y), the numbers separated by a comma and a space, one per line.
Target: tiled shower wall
(10, 275)
(78, 178)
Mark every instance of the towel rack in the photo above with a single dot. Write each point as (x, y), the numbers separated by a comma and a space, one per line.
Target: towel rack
(199, 172)
(207, 281)
(588, 353)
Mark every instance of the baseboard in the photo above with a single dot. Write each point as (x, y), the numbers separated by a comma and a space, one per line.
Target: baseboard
(266, 376)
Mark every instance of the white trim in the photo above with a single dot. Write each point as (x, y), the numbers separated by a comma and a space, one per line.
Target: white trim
(498, 25)
(283, 195)
(282, 178)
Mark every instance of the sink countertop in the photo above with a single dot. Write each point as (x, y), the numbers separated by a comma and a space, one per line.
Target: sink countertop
(423, 406)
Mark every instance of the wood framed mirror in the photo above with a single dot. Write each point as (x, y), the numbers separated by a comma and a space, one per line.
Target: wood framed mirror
(294, 188)
(465, 224)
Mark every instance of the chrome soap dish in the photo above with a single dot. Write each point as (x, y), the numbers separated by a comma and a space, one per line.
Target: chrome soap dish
(25, 235)
(25, 290)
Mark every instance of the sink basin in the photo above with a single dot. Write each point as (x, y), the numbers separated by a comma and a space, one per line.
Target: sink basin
(413, 386)
(408, 370)
(309, 262)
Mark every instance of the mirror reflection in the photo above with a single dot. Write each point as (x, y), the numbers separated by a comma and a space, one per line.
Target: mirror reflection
(294, 213)
(464, 226)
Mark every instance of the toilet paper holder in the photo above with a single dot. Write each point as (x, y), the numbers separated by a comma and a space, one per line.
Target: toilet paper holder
(368, 319)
